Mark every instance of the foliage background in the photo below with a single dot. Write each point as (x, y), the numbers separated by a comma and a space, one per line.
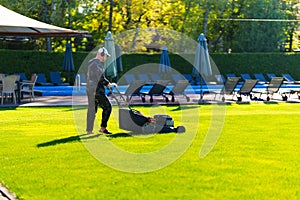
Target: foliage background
(228, 24)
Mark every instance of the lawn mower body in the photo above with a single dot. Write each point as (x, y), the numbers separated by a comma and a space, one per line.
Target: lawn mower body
(133, 120)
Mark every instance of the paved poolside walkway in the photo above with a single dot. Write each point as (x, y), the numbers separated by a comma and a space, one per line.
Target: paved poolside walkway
(194, 99)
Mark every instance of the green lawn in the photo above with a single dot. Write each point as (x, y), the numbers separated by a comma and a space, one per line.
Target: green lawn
(45, 156)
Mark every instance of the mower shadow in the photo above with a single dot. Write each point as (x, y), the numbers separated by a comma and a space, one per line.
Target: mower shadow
(119, 135)
(129, 134)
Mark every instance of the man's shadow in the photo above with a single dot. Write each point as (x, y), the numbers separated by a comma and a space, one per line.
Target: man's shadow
(76, 138)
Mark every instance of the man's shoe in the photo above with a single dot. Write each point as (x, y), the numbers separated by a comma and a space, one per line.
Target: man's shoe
(89, 132)
(105, 131)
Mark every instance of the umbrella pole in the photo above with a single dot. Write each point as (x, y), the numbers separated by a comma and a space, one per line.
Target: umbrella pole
(201, 95)
(201, 90)
(69, 77)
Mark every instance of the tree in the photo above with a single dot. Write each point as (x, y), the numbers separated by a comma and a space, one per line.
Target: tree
(291, 9)
(262, 33)
(240, 25)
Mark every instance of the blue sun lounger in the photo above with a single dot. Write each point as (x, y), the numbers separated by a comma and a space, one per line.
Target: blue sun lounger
(246, 89)
(56, 79)
(261, 78)
(146, 78)
(246, 77)
(274, 87)
(289, 79)
(156, 90)
(178, 89)
(41, 80)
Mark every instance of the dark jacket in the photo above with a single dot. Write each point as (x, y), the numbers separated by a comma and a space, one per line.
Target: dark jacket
(102, 82)
(96, 77)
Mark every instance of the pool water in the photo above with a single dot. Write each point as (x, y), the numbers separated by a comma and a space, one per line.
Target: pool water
(192, 89)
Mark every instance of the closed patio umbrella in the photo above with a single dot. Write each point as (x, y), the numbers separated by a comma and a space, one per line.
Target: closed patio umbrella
(118, 58)
(110, 64)
(202, 64)
(68, 64)
(165, 64)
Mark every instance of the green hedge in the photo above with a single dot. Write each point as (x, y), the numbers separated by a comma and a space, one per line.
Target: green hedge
(29, 62)
(43, 62)
(251, 63)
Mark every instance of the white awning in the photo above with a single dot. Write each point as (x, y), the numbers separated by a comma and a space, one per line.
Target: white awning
(15, 24)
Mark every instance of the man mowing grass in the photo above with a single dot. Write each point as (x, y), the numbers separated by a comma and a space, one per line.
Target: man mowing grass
(96, 92)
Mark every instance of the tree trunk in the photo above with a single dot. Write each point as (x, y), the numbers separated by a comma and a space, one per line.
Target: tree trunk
(45, 16)
(187, 10)
(110, 15)
(291, 42)
(136, 33)
(205, 21)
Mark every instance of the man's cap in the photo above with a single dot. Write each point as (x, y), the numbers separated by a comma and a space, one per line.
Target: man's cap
(103, 51)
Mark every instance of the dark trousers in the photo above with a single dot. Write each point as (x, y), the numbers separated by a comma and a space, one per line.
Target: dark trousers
(102, 101)
(91, 113)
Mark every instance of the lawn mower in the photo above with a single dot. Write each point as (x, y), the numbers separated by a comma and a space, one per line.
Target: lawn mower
(133, 120)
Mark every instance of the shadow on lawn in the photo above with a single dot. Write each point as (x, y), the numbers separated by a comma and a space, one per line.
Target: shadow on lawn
(79, 138)
(119, 135)
(8, 107)
(183, 107)
(131, 134)
(76, 138)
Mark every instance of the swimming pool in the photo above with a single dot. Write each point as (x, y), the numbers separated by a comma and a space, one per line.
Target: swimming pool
(192, 89)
